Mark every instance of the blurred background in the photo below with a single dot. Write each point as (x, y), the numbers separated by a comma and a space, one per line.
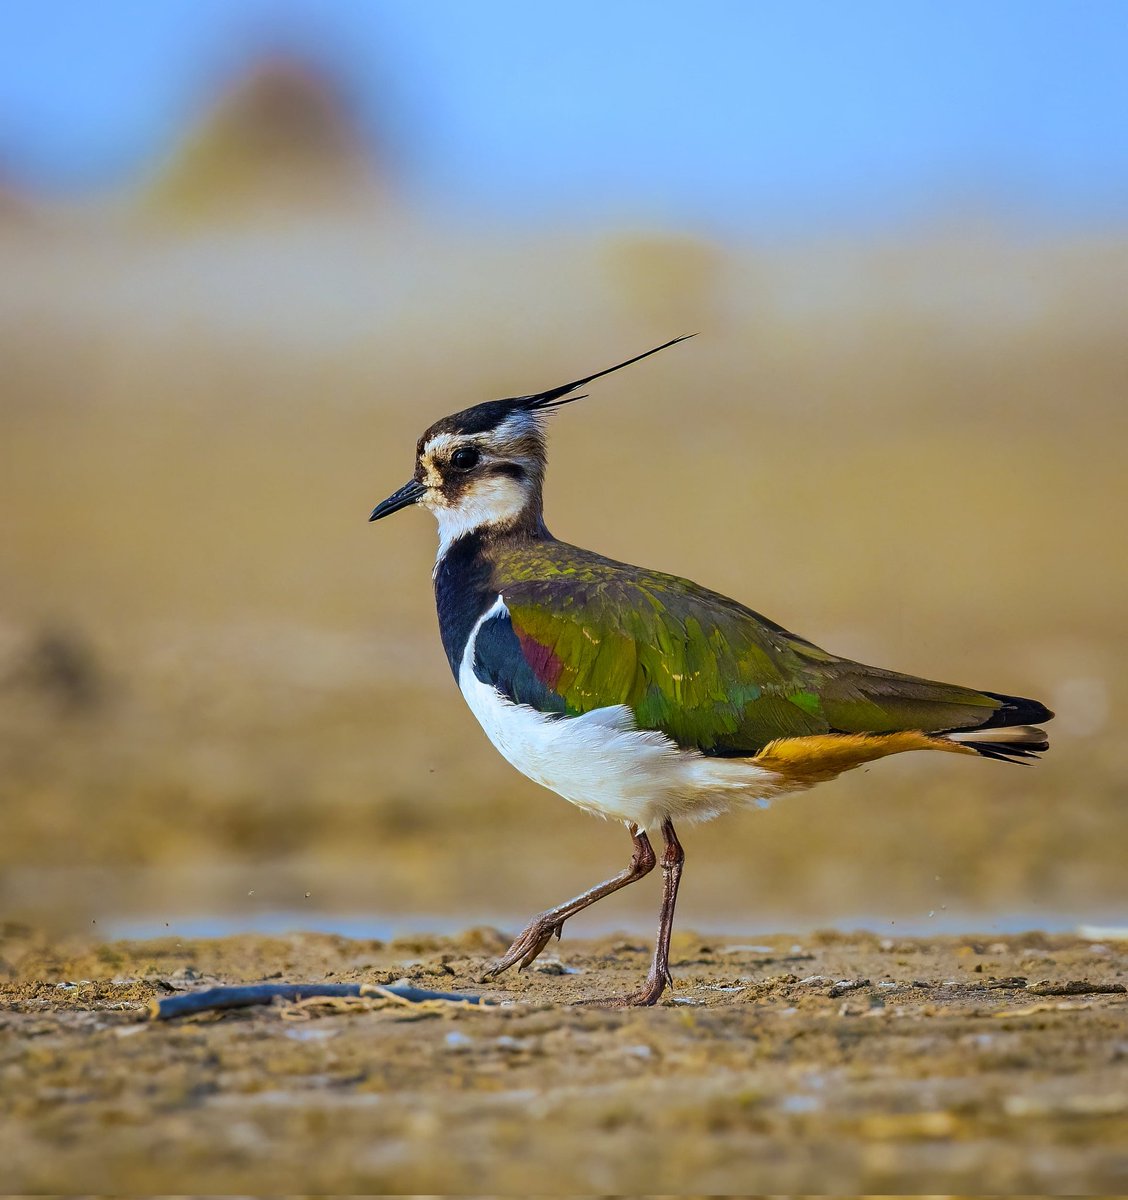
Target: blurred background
(250, 249)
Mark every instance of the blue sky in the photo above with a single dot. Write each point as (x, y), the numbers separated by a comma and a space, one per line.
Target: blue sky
(720, 113)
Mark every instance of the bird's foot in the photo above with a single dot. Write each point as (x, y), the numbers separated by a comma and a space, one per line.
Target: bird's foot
(656, 983)
(526, 946)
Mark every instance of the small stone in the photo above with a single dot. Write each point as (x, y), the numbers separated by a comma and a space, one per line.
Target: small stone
(553, 966)
(846, 985)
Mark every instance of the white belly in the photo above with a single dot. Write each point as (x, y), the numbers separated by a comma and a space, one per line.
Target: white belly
(601, 762)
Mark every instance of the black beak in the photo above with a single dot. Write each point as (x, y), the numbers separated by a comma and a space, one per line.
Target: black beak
(408, 494)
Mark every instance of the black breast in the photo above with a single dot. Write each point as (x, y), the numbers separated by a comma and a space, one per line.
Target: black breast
(463, 592)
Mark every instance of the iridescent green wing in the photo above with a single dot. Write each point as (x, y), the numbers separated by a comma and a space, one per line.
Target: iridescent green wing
(584, 632)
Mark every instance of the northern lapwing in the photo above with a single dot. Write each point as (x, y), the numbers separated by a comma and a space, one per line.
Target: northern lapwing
(637, 695)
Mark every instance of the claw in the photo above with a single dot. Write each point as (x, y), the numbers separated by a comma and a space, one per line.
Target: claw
(530, 955)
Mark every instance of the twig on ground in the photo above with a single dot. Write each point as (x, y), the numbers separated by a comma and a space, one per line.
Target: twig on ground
(247, 995)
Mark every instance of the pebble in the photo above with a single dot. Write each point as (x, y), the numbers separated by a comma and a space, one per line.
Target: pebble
(553, 966)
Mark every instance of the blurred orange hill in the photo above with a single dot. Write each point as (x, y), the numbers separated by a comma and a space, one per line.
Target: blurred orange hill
(910, 446)
(283, 140)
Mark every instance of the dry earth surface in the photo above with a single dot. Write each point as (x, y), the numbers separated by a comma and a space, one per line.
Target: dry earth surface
(827, 1062)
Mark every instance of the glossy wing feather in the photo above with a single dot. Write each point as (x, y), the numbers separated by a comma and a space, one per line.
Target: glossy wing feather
(584, 632)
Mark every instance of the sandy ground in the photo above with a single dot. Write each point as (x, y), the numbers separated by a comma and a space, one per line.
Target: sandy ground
(822, 1063)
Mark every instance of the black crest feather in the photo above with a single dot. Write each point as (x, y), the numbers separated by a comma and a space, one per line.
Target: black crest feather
(552, 398)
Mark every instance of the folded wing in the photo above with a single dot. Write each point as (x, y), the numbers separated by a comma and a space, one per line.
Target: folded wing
(582, 632)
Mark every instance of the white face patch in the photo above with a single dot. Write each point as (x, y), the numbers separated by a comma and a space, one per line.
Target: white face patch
(493, 500)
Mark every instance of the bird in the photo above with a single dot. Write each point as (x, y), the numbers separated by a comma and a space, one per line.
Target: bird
(641, 696)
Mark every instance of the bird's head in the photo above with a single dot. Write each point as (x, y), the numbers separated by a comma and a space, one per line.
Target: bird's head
(484, 466)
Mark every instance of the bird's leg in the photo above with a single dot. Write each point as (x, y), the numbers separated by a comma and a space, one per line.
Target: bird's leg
(540, 930)
(659, 976)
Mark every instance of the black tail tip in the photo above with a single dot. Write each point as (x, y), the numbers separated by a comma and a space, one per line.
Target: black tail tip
(1016, 710)
(1012, 752)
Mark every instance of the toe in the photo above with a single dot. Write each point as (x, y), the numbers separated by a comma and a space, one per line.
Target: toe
(534, 951)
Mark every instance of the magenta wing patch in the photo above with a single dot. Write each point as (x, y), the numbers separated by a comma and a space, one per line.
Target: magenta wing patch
(542, 661)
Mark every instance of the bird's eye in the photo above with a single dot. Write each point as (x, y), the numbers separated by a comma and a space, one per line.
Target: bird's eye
(464, 458)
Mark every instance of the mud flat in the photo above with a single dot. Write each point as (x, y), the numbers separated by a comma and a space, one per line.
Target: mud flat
(823, 1062)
